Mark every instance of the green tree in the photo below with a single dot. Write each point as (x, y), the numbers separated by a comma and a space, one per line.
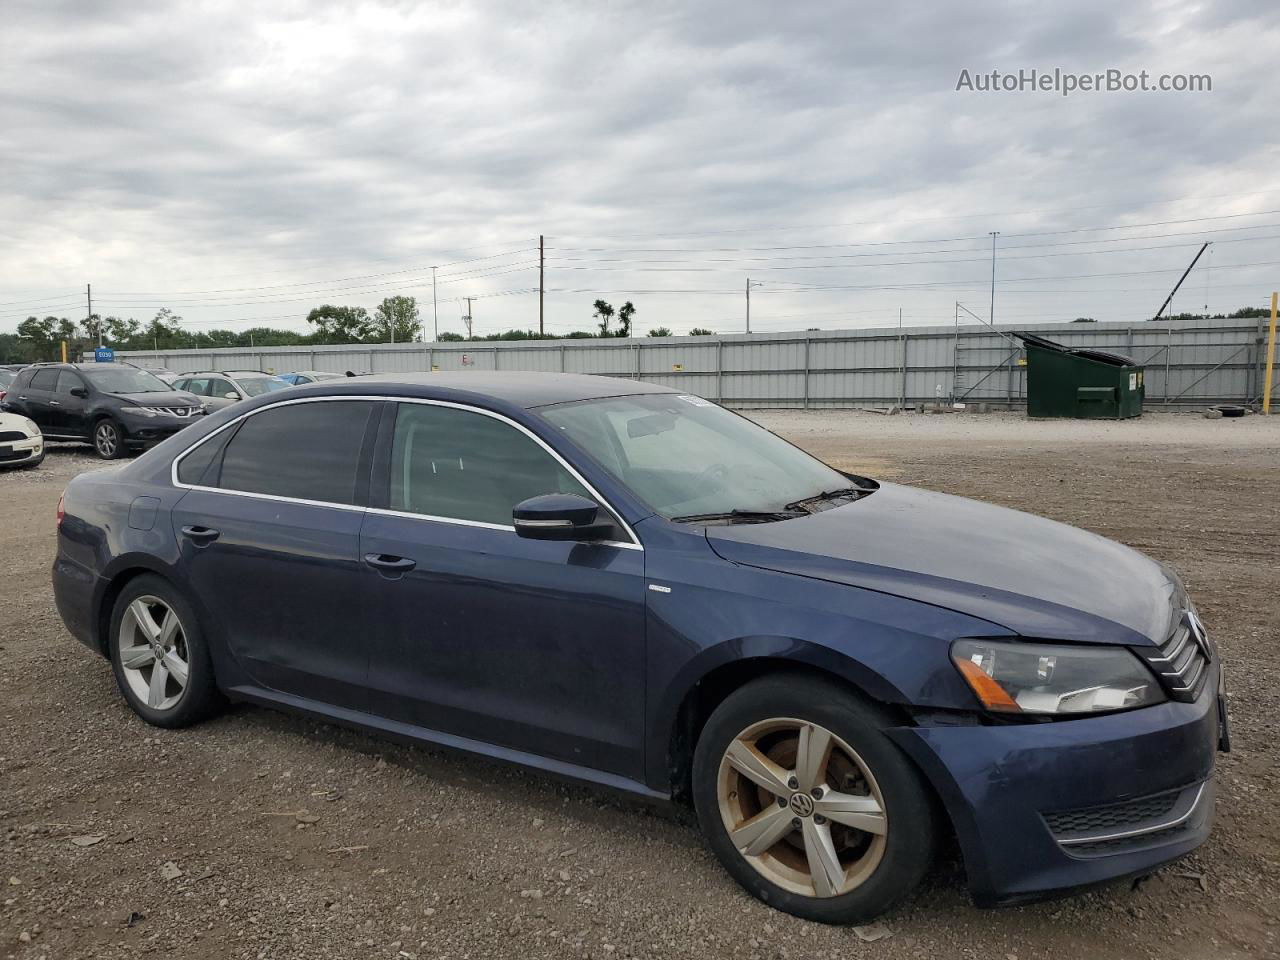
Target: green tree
(122, 332)
(660, 332)
(625, 313)
(341, 324)
(701, 332)
(450, 337)
(396, 319)
(164, 331)
(604, 313)
(40, 335)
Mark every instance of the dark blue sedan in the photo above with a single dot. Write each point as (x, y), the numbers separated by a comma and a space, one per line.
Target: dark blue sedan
(632, 586)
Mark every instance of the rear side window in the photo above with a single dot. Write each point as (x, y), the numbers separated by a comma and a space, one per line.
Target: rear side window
(308, 451)
(200, 467)
(44, 380)
(452, 463)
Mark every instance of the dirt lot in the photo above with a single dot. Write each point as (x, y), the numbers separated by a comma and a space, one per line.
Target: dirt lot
(262, 835)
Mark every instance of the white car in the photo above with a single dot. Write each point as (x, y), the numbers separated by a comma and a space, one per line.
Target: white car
(21, 442)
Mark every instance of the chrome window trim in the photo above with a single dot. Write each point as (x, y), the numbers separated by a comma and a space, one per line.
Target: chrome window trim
(633, 544)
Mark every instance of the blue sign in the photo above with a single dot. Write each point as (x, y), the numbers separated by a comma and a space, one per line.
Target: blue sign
(104, 355)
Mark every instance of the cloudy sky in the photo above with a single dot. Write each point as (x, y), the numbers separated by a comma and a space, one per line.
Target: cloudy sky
(243, 163)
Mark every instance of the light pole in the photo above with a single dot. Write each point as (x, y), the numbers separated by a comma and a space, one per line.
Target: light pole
(751, 283)
(994, 234)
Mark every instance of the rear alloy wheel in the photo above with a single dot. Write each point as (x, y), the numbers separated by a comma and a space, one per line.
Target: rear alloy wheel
(158, 654)
(107, 440)
(808, 804)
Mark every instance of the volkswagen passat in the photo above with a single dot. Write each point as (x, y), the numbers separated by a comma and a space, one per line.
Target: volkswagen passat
(633, 586)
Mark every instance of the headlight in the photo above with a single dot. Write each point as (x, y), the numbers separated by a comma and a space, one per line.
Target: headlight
(1052, 679)
(138, 411)
(32, 427)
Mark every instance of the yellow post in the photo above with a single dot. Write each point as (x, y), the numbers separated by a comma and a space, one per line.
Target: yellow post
(64, 351)
(1271, 358)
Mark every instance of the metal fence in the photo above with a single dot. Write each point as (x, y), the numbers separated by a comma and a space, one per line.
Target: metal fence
(1187, 362)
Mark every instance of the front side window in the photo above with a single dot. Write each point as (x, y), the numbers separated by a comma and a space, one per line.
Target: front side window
(461, 465)
(686, 456)
(67, 381)
(306, 451)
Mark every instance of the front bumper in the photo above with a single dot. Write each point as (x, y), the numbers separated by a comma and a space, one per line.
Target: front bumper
(14, 453)
(147, 431)
(1145, 773)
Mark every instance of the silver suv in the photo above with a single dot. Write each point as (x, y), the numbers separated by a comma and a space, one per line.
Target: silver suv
(219, 388)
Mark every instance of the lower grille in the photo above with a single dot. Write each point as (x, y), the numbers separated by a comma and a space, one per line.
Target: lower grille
(1116, 827)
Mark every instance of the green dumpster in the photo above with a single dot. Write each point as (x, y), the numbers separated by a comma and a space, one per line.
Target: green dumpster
(1080, 382)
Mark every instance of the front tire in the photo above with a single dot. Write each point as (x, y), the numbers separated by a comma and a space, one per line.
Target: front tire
(159, 656)
(807, 803)
(108, 439)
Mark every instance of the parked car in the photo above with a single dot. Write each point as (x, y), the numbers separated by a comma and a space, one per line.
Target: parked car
(220, 389)
(309, 376)
(7, 377)
(168, 376)
(114, 406)
(21, 443)
(613, 581)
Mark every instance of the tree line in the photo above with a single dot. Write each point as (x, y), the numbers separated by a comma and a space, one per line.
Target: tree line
(395, 319)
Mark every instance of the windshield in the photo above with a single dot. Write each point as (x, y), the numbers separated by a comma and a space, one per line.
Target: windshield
(124, 380)
(686, 456)
(257, 386)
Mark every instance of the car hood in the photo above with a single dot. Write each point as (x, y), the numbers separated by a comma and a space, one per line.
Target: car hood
(16, 421)
(160, 398)
(1036, 577)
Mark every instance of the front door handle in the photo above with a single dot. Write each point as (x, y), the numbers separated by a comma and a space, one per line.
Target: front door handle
(200, 536)
(382, 561)
(55, 403)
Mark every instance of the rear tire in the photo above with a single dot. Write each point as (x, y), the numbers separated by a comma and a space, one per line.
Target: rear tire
(159, 655)
(806, 802)
(108, 439)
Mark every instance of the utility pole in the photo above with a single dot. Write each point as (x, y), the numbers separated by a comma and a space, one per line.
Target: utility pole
(541, 278)
(88, 317)
(435, 317)
(751, 283)
(994, 234)
(467, 319)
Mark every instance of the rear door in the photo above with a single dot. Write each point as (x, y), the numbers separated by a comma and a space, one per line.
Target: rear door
(269, 532)
(33, 397)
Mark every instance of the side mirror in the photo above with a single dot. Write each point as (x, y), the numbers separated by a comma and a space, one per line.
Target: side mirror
(80, 392)
(559, 516)
(231, 395)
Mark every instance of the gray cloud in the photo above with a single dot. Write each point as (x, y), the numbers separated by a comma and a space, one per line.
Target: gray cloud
(158, 149)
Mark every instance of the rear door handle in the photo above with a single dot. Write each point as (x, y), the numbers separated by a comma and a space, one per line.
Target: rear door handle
(55, 403)
(382, 561)
(200, 536)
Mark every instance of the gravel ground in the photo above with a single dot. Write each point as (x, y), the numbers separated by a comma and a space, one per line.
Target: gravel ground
(259, 835)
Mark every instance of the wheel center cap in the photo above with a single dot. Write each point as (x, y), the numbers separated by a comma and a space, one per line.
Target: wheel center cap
(802, 804)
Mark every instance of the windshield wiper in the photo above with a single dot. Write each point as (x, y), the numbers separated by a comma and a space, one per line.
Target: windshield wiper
(739, 516)
(840, 494)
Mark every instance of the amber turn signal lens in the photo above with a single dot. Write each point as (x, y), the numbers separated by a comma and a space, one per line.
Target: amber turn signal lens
(990, 693)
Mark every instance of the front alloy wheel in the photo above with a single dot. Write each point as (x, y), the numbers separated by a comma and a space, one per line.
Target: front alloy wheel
(107, 440)
(801, 806)
(807, 803)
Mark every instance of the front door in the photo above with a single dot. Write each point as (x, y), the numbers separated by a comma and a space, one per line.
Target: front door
(269, 533)
(69, 410)
(531, 645)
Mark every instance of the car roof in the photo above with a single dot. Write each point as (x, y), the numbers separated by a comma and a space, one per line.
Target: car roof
(517, 388)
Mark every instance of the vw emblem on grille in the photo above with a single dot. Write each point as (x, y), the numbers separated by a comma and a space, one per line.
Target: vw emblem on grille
(801, 804)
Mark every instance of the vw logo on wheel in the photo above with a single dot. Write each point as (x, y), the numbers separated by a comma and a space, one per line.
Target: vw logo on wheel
(802, 804)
